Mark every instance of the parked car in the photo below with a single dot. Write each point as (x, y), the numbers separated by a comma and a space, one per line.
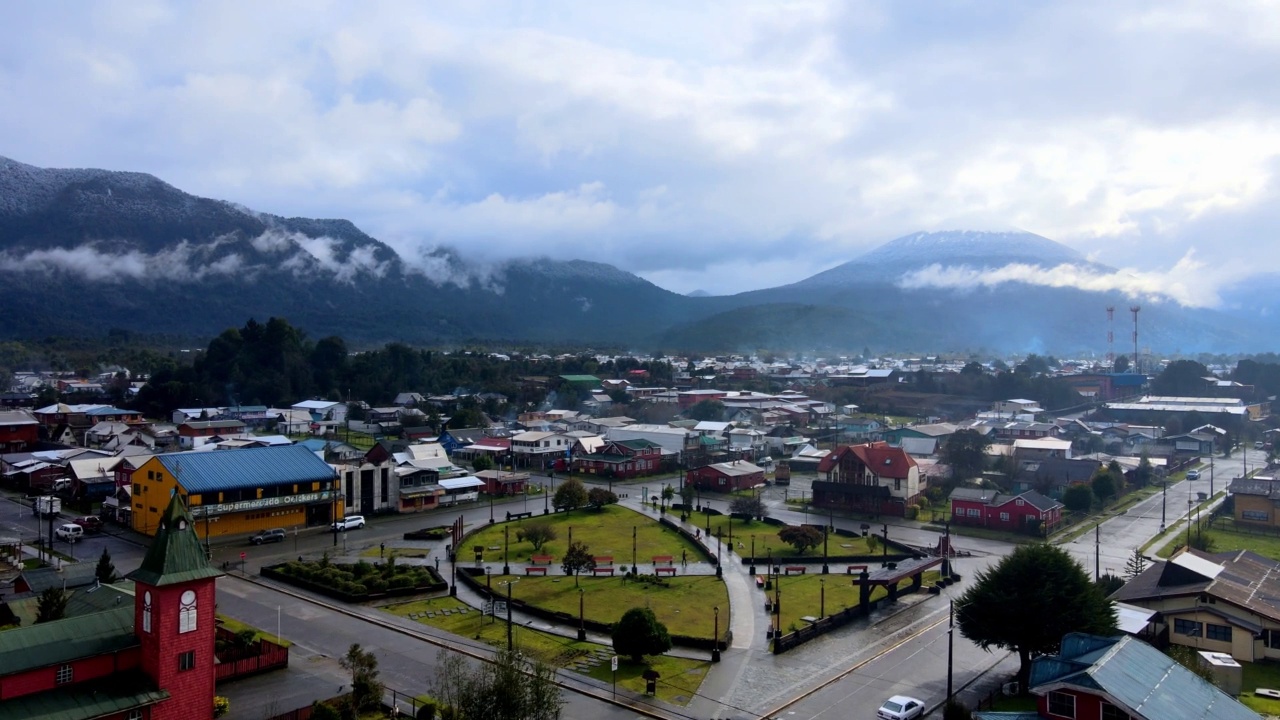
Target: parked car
(349, 522)
(69, 532)
(1258, 445)
(91, 523)
(1193, 474)
(901, 707)
(268, 536)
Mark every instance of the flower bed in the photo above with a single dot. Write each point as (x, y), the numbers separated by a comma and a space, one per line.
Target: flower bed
(358, 582)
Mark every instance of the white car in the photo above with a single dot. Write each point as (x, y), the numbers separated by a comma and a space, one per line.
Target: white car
(69, 532)
(901, 707)
(349, 522)
(1193, 474)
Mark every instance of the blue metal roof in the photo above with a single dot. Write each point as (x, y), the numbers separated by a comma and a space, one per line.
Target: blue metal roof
(1138, 676)
(211, 471)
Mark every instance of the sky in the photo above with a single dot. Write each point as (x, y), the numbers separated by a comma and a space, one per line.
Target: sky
(718, 146)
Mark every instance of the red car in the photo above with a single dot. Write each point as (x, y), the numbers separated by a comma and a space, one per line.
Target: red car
(90, 523)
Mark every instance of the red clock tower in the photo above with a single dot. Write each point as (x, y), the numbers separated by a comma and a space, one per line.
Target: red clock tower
(174, 617)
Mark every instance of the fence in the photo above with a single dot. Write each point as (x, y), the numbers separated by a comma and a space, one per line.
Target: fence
(269, 656)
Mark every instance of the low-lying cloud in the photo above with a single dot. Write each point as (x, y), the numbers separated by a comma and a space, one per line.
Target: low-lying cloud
(1187, 283)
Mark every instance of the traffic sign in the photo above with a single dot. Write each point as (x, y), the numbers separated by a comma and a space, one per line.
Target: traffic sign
(242, 555)
(613, 663)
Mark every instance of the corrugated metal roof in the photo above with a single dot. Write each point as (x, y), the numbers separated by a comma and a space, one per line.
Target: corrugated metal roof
(100, 698)
(201, 472)
(175, 555)
(51, 643)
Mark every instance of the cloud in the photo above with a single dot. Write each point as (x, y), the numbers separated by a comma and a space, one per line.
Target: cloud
(1190, 282)
(672, 138)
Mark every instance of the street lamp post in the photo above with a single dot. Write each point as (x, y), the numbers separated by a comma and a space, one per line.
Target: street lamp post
(822, 598)
(752, 569)
(1164, 495)
(546, 499)
(885, 544)
(1188, 520)
(715, 638)
(826, 532)
(510, 644)
(506, 543)
(582, 627)
(490, 508)
(633, 548)
(719, 563)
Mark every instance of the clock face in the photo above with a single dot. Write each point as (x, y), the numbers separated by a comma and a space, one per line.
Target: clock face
(188, 597)
(146, 597)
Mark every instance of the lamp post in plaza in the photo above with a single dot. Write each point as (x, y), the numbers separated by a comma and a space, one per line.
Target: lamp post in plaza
(822, 598)
(582, 627)
(715, 637)
(506, 543)
(546, 499)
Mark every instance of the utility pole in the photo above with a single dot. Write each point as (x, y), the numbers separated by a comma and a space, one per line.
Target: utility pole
(1164, 494)
(1097, 551)
(951, 632)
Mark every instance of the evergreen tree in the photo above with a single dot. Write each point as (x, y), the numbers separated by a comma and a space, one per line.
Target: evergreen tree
(52, 605)
(1135, 565)
(106, 571)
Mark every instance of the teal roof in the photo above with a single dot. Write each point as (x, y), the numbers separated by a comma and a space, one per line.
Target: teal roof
(580, 378)
(175, 554)
(638, 444)
(84, 701)
(218, 470)
(60, 641)
(1138, 676)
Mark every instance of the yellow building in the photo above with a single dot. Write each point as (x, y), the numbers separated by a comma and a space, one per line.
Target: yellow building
(234, 492)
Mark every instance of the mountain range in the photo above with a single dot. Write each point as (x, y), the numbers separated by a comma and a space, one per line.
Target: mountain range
(82, 251)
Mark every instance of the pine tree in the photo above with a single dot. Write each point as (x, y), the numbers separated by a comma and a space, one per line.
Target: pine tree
(106, 572)
(1135, 565)
(52, 605)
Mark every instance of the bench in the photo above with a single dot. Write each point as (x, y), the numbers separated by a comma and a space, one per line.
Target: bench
(519, 515)
(664, 571)
(660, 559)
(603, 560)
(795, 568)
(541, 559)
(852, 568)
(759, 582)
(540, 570)
(602, 571)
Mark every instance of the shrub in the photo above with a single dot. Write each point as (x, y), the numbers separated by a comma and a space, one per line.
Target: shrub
(910, 512)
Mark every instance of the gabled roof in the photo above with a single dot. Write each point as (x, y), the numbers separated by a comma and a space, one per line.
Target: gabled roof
(1136, 677)
(736, 468)
(1241, 578)
(108, 697)
(200, 472)
(52, 643)
(175, 555)
(880, 458)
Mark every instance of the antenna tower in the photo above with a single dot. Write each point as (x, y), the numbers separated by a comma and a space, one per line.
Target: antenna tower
(1111, 336)
(1135, 309)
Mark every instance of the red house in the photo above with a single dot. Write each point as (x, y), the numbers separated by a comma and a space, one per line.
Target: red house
(188, 432)
(621, 459)
(19, 431)
(1028, 512)
(152, 661)
(872, 477)
(503, 482)
(725, 477)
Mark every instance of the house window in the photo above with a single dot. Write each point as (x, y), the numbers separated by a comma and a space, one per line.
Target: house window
(187, 661)
(897, 484)
(64, 674)
(187, 612)
(1062, 705)
(134, 715)
(1217, 632)
(1189, 628)
(974, 512)
(1111, 712)
(146, 611)
(1258, 515)
(1004, 517)
(957, 511)
(1271, 638)
(1019, 502)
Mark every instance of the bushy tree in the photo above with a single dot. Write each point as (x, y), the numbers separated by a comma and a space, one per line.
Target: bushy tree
(966, 453)
(51, 605)
(802, 537)
(515, 686)
(749, 505)
(712, 410)
(482, 463)
(570, 495)
(366, 690)
(1028, 601)
(539, 534)
(599, 497)
(1104, 486)
(639, 633)
(577, 559)
(1078, 498)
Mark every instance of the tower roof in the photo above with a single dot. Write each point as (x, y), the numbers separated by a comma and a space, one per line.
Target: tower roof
(175, 555)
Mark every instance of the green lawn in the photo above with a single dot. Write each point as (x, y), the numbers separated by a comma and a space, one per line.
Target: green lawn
(1226, 539)
(766, 538)
(686, 607)
(1260, 675)
(606, 532)
(680, 677)
(413, 552)
(802, 595)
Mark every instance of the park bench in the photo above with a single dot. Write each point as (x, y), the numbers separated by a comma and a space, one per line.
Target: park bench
(518, 515)
(603, 560)
(602, 571)
(539, 570)
(853, 569)
(664, 570)
(759, 582)
(541, 559)
(796, 569)
(661, 559)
